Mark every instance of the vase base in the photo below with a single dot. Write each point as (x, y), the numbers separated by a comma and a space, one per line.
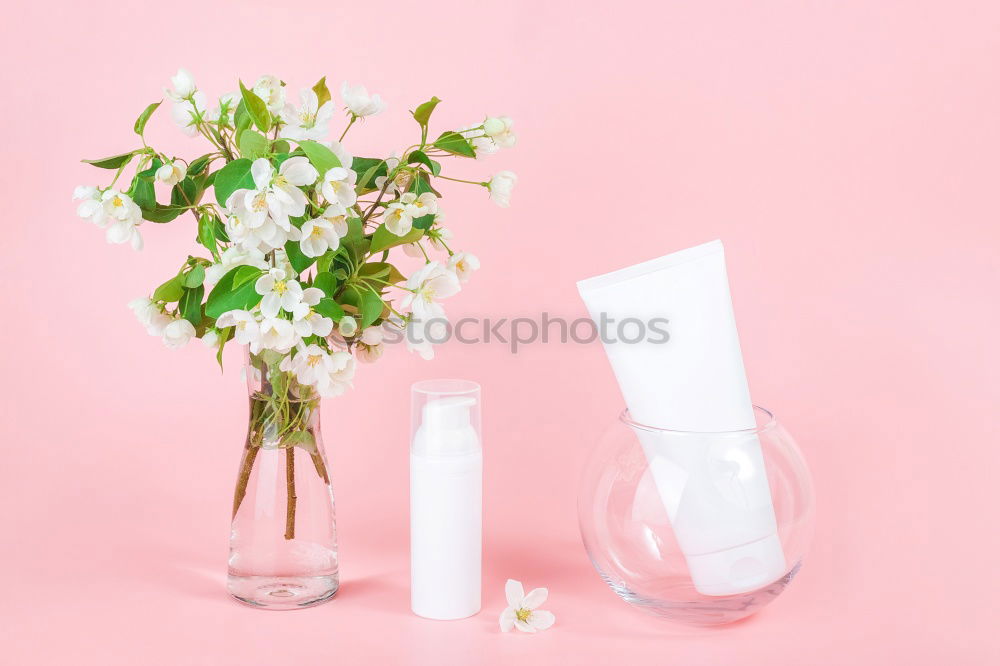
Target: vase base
(283, 592)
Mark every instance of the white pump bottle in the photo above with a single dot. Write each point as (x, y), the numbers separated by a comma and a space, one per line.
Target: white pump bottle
(446, 490)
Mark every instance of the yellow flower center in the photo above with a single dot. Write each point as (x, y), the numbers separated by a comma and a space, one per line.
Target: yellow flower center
(280, 287)
(523, 614)
(280, 180)
(314, 360)
(117, 202)
(260, 202)
(307, 118)
(316, 232)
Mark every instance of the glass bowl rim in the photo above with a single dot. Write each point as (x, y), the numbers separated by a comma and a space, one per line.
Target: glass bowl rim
(769, 423)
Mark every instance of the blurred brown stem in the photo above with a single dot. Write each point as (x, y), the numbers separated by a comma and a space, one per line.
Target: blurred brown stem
(290, 485)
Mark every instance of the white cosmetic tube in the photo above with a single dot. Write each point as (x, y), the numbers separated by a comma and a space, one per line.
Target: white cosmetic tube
(714, 488)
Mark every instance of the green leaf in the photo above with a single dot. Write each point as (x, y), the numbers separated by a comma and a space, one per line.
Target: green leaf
(299, 261)
(454, 143)
(220, 231)
(161, 213)
(245, 275)
(190, 304)
(370, 168)
(281, 146)
(253, 144)
(423, 222)
(242, 117)
(382, 271)
(198, 165)
(423, 113)
(234, 176)
(368, 303)
(206, 233)
(327, 282)
(329, 308)
(140, 122)
(224, 336)
(171, 290)
(185, 193)
(383, 239)
(322, 92)
(142, 190)
(195, 277)
(421, 157)
(321, 157)
(422, 183)
(256, 108)
(228, 296)
(113, 162)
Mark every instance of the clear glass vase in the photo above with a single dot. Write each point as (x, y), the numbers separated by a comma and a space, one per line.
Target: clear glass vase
(283, 544)
(697, 527)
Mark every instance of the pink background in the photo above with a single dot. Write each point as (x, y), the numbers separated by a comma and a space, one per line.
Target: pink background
(846, 153)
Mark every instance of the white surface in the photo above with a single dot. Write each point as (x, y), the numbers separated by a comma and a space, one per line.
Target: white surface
(714, 488)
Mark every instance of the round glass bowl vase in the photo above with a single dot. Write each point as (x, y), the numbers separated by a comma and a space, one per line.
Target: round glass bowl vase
(698, 528)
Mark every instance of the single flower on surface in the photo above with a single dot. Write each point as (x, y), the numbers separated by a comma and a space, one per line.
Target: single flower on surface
(279, 292)
(359, 102)
(522, 609)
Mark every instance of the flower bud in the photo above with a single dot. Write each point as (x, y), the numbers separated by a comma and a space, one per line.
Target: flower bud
(348, 326)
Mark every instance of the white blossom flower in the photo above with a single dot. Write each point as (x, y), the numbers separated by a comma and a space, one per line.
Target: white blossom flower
(501, 130)
(124, 216)
(91, 206)
(279, 292)
(150, 315)
(500, 186)
(230, 259)
(309, 364)
(481, 144)
(184, 85)
(211, 339)
(439, 236)
(306, 320)
(336, 215)
(246, 328)
(432, 282)
(275, 195)
(522, 609)
(276, 334)
(425, 204)
(318, 236)
(178, 333)
(359, 102)
(369, 347)
(398, 218)
(419, 333)
(463, 264)
(309, 121)
(347, 326)
(272, 91)
(188, 113)
(338, 186)
(340, 373)
(171, 173)
(251, 230)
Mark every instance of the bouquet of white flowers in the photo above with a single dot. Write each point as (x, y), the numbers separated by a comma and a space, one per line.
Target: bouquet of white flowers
(297, 241)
